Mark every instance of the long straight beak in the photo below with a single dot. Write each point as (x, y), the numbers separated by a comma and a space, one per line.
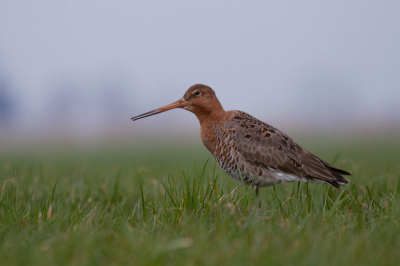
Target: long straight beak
(178, 104)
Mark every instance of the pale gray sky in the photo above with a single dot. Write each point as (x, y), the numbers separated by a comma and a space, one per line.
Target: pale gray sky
(87, 64)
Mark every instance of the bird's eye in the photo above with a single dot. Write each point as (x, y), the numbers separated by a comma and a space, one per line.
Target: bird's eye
(197, 93)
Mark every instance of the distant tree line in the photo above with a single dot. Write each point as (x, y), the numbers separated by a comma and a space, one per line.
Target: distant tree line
(6, 103)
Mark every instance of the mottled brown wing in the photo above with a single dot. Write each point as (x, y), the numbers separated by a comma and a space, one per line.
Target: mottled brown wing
(267, 147)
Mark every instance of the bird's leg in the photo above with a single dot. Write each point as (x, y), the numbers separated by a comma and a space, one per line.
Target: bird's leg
(258, 196)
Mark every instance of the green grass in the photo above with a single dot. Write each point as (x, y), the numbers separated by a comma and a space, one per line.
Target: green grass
(167, 205)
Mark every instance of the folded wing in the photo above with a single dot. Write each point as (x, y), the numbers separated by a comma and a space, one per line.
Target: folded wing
(265, 146)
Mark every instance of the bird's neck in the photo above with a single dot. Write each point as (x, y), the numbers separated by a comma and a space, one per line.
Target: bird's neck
(209, 122)
(210, 116)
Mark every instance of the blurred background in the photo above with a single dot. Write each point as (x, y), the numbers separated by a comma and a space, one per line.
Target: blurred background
(79, 70)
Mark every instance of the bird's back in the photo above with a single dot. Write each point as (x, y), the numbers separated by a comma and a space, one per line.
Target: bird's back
(265, 155)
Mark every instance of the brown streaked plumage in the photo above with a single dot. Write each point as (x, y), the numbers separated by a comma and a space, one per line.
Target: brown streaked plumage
(265, 156)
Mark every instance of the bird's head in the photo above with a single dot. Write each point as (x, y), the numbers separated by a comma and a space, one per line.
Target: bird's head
(198, 99)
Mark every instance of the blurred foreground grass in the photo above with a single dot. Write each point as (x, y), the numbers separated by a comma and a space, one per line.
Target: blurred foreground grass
(155, 204)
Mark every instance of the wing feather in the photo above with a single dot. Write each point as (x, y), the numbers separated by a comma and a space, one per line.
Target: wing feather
(265, 146)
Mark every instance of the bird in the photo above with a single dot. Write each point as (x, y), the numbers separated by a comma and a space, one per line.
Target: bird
(249, 150)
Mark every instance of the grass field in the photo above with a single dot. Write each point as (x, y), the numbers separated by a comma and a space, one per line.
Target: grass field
(140, 205)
